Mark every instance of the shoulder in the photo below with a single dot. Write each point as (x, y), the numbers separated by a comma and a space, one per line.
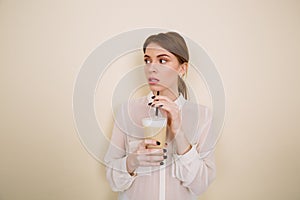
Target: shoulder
(196, 118)
(199, 111)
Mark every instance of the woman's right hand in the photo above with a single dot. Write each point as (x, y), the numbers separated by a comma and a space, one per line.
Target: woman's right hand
(144, 157)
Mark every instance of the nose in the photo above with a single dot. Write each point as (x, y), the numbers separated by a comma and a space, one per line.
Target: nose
(152, 67)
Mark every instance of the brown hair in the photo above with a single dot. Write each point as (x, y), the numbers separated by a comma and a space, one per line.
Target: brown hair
(175, 44)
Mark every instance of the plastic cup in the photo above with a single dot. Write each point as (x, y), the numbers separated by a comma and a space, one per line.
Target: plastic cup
(155, 128)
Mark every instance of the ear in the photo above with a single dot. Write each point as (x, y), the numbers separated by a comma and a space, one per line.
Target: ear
(183, 68)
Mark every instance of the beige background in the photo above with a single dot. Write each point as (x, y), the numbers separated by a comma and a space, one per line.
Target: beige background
(254, 44)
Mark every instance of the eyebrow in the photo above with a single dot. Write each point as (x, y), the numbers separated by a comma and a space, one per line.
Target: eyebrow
(160, 55)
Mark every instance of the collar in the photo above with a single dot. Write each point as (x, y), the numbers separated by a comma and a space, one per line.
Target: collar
(180, 101)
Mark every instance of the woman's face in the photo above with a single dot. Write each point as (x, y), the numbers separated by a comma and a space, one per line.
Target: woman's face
(162, 69)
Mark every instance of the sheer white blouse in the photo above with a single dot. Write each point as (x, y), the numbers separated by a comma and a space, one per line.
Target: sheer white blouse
(182, 176)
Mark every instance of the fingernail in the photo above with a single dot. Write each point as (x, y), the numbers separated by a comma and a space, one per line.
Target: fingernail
(161, 163)
(149, 104)
(152, 97)
(158, 142)
(152, 105)
(165, 150)
(165, 157)
(160, 106)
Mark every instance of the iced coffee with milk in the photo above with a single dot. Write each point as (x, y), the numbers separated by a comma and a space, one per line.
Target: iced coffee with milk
(155, 128)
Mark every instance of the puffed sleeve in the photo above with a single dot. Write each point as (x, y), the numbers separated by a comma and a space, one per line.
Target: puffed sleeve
(115, 158)
(196, 168)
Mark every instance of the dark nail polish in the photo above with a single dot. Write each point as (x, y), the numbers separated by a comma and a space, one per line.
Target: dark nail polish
(152, 97)
(161, 163)
(165, 157)
(149, 104)
(165, 150)
(152, 105)
(160, 106)
(158, 142)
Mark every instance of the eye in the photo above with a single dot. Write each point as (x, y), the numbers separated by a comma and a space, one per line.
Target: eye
(162, 61)
(147, 61)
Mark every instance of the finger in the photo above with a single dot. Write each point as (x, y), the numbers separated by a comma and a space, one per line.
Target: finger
(163, 98)
(149, 164)
(148, 158)
(168, 110)
(151, 151)
(143, 144)
(166, 107)
(151, 142)
(162, 102)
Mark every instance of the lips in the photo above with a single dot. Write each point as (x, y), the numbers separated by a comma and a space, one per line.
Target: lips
(153, 80)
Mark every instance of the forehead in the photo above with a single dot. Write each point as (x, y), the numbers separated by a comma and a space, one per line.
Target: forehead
(154, 48)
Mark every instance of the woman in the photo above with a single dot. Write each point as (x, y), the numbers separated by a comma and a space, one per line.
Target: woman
(186, 161)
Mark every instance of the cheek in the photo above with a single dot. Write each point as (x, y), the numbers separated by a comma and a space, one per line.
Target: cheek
(169, 76)
(173, 70)
(170, 71)
(146, 70)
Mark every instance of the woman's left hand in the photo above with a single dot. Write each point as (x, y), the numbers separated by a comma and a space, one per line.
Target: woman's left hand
(170, 110)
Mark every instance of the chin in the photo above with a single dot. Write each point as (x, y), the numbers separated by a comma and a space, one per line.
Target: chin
(156, 87)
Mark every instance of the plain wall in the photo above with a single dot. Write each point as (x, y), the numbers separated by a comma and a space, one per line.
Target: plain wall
(254, 44)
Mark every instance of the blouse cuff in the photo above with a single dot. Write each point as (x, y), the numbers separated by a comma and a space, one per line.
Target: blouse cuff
(185, 166)
(188, 156)
(127, 175)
